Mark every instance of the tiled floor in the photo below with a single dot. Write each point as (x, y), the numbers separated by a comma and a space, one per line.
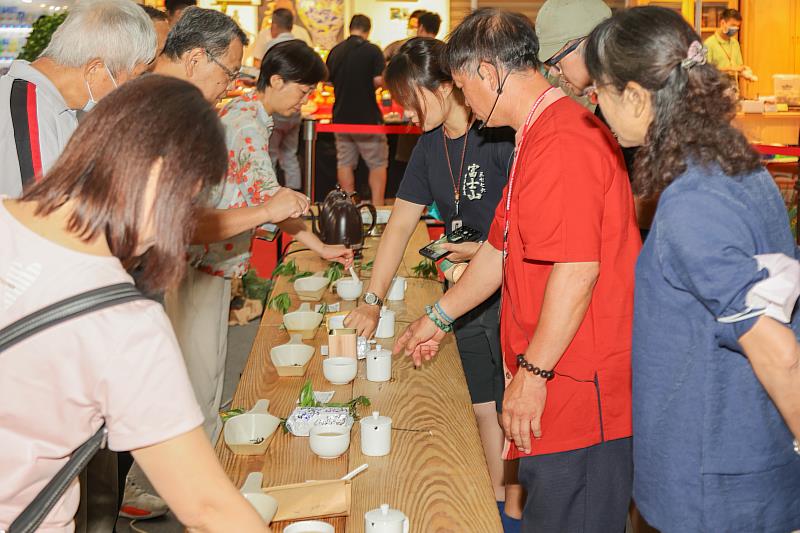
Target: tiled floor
(240, 340)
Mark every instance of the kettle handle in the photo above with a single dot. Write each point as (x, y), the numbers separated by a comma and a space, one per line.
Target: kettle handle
(315, 219)
(373, 212)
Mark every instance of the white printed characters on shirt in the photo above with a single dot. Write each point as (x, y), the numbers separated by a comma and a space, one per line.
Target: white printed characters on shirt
(474, 183)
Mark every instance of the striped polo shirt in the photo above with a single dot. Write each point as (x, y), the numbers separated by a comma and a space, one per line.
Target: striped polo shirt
(35, 125)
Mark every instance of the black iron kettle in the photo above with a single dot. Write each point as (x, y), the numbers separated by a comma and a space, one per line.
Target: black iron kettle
(339, 219)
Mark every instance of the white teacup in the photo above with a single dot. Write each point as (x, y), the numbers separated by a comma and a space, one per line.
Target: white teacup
(340, 370)
(336, 322)
(349, 289)
(385, 328)
(309, 526)
(397, 290)
(379, 364)
(329, 442)
(376, 435)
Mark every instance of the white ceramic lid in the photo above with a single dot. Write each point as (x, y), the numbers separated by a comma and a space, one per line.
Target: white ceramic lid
(379, 351)
(384, 514)
(375, 420)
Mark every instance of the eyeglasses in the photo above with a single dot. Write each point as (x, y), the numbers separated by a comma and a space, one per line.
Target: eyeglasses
(556, 59)
(231, 74)
(591, 92)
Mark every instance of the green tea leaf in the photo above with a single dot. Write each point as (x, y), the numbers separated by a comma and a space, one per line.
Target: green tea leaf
(426, 269)
(366, 267)
(280, 302)
(299, 275)
(285, 269)
(307, 395)
(334, 272)
(225, 415)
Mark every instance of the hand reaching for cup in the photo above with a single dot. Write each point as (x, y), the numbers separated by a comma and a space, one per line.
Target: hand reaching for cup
(337, 252)
(364, 319)
(420, 340)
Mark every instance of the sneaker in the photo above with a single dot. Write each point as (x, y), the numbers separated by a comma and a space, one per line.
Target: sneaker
(510, 525)
(140, 505)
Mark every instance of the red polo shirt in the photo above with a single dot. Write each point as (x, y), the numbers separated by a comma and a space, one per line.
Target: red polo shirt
(572, 202)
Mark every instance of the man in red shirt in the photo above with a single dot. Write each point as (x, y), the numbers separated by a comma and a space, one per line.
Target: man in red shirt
(563, 246)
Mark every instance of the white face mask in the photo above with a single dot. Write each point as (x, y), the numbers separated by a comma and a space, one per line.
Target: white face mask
(92, 102)
(774, 296)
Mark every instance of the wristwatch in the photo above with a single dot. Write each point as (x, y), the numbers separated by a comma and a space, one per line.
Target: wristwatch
(370, 298)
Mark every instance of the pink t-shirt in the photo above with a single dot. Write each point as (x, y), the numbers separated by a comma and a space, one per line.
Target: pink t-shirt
(121, 365)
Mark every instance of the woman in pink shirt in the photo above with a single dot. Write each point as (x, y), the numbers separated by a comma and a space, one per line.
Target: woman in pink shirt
(124, 188)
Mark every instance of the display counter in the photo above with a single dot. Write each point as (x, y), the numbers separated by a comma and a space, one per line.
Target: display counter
(781, 127)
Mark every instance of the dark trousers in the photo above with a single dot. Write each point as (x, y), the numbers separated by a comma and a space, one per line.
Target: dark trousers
(579, 491)
(102, 488)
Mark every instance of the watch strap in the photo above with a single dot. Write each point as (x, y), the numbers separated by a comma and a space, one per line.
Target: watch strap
(378, 300)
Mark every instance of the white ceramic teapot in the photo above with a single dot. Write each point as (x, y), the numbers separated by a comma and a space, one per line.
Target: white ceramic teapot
(379, 364)
(376, 435)
(385, 520)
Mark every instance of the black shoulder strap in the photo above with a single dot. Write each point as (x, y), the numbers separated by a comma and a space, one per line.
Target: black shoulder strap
(26, 129)
(66, 309)
(36, 511)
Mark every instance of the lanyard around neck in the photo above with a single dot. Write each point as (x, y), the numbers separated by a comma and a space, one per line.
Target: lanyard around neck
(456, 185)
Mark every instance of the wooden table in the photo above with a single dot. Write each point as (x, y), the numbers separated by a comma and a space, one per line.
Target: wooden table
(769, 128)
(439, 480)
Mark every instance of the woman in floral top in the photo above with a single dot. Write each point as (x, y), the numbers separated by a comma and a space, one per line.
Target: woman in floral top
(247, 198)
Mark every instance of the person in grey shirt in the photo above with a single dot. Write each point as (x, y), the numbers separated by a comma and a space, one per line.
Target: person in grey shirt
(100, 45)
(286, 130)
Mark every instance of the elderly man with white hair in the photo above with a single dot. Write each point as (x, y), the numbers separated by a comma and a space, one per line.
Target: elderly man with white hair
(100, 45)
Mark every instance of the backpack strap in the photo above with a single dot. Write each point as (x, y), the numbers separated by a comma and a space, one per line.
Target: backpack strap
(81, 304)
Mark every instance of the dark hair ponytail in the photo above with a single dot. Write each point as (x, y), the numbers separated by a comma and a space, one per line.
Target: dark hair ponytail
(417, 65)
(693, 102)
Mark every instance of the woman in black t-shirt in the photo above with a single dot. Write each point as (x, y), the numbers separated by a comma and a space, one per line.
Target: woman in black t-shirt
(463, 169)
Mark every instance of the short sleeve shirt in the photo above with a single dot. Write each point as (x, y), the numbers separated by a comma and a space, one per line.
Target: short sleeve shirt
(250, 181)
(709, 440)
(264, 42)
(352, 66)
(43, 121)
(572, 202)
(483, 175)
(722, 53)
(120, 366)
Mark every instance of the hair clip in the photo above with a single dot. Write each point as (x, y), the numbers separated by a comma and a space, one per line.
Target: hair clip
(695, 56)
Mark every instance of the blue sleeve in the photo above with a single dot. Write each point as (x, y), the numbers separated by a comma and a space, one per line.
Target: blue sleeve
(706, 248)
(415, 187)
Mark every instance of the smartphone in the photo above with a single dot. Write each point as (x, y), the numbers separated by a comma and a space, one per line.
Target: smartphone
(434, 250)
(267, 232)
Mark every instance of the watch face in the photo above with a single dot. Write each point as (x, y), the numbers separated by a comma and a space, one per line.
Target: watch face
(370, 298)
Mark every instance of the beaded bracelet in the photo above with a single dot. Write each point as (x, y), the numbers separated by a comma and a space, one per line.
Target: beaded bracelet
(442, 314)
(544, 374)
(447, 328)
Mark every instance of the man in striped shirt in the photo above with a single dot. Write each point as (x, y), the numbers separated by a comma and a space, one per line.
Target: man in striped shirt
(101, 44)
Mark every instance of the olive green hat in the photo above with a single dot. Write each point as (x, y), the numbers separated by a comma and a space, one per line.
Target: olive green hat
(562, 21)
